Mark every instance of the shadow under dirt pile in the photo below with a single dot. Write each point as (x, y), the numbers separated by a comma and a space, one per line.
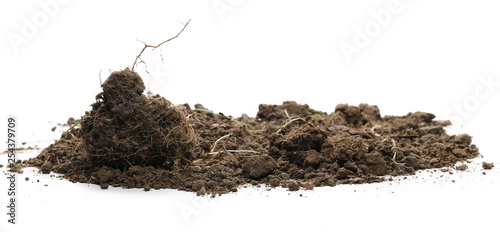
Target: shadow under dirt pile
(132, 140)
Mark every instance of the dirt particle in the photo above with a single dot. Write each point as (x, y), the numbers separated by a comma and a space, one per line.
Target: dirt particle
(488, 166)
(62, 168)
(274, 182)
(293, 186)
(376, 164)
(257, 167)
(312, 159)
(463, 139)
(27, 178)
(348, 115)
(71, 121)
(46, 168)
(443, 123)
(198, 185)
(412, 161)
(343, 173)
(462, 167)
(307, 185)
(431, 130)
(201, 192)
(275, 112)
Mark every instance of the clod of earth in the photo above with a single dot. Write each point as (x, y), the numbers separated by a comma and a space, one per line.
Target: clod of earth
(126, 128)
(133, 140)
(488, 166)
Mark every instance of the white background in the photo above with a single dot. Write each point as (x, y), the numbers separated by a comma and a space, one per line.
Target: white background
(434, 56)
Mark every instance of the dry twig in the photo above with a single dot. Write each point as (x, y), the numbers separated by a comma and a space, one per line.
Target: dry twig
(138, 57)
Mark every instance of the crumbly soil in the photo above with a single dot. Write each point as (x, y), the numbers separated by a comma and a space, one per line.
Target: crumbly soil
(133, 140)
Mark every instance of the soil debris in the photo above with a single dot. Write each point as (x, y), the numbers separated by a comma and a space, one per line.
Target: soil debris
(462, 167)
(133, 140)
(488, 166)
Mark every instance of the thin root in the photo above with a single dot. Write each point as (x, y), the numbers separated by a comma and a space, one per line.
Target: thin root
(219, 139)
(138, 57)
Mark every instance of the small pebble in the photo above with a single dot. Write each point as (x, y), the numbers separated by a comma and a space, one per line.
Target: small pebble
(201, 192)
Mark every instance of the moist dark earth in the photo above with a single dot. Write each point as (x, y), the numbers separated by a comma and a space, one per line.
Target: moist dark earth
(134, 140)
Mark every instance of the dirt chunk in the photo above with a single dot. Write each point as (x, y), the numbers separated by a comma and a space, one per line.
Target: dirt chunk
(71, 121)
(122, 86)
(296, 138)
(293, 186)
(463, 139)
(257, 167)
(375, 163)
(201, 192)
(487, 165)
(46, 168)
(347, 115)
(293, 109)
(462, 167)
(312, 159)
(344, 148)
(126, 128)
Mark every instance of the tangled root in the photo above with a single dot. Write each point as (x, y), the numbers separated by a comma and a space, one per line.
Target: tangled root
(126, 128)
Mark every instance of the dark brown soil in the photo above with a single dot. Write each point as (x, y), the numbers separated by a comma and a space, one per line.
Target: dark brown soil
(126, 128)
(132, 140)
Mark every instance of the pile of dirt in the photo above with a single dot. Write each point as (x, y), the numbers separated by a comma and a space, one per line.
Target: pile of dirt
(126, 128)
(132, 140)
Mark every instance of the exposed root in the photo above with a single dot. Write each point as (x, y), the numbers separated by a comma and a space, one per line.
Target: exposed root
(138, 57)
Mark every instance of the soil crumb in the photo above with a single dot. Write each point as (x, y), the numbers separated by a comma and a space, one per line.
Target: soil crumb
(462, 167)
(488, 166)
(133, 140)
